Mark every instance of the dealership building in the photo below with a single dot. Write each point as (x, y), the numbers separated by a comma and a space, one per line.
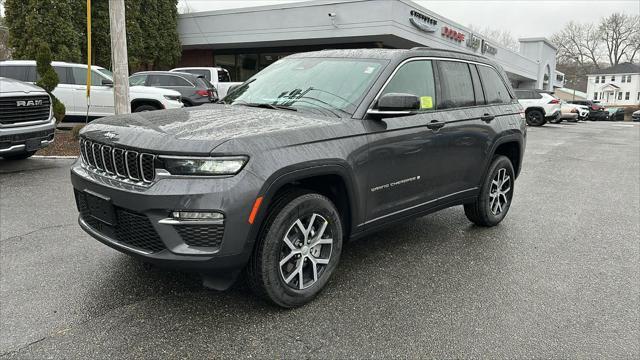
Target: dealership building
(246, 40)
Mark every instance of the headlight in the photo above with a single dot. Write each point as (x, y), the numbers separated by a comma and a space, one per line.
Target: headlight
(172, 97)
(204, 166)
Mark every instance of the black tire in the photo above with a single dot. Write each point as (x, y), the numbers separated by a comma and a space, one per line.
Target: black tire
(142, 108)
(19, 156)
(556, 121)
(264, 273)
(480, 211)
(535, 118)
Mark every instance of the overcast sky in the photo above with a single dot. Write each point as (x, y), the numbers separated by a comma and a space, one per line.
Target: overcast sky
(524, 18)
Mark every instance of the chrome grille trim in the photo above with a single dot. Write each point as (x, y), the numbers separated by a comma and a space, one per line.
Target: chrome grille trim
(126, 163)
(102, 159)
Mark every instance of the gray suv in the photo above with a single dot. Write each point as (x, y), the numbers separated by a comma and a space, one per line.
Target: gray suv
(312, 151)
(194, 90)
(26, 119)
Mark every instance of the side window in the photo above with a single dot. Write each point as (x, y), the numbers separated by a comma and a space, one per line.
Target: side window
(137, 80)
(179, 81)
(494, 88)
(416, 78)
(80, 76)
(167, 80)
(63, 75)
(223, 76)
(456, 85)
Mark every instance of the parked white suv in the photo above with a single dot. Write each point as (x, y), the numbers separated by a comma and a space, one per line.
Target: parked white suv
(72, 89)
(539, 107)
(217, 76)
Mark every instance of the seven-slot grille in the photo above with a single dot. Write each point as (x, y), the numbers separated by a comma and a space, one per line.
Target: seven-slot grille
(117, 162)
(21, 109)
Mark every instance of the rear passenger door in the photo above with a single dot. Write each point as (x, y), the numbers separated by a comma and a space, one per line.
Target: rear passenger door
(464, 139)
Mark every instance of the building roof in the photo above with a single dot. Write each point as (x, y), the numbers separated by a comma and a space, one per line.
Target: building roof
(537, 39)
(571, 91)
(624, 68)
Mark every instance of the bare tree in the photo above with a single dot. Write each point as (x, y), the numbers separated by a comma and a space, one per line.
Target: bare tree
(502, 37)
(578, 43)
(618, 31)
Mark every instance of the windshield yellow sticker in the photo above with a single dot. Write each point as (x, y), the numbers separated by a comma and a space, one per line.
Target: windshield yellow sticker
(426, 102)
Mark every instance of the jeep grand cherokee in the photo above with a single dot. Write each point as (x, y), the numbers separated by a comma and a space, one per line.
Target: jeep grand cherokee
(316, 149)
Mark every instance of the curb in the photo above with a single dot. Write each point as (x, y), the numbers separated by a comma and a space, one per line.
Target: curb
(53, 157)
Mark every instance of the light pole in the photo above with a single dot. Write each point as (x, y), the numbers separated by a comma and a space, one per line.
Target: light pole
(119, 56)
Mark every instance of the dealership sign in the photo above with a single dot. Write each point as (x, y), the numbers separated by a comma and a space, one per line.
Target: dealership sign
(423, 22)
(457, 36)
(488, 48)
(474, 42)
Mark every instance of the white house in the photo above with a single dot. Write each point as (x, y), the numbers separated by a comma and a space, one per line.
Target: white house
(618, 85)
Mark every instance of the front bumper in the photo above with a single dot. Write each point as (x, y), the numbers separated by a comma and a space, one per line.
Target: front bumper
(140, 227)
(16, 139)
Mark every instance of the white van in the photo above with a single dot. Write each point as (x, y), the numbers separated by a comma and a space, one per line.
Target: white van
(72, 89)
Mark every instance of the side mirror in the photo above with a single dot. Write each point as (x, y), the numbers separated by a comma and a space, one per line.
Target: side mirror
(106, 82)
(393, 104)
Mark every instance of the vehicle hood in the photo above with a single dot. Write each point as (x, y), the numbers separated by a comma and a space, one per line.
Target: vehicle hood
(198, 130)
(11, 85)
(150, 90)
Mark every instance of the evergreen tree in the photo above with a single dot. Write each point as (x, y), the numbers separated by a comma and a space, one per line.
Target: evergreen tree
(48, 78)
(50, 21)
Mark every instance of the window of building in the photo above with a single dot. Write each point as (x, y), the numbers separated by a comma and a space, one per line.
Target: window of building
(595, 96)
(456, 85)
(624, 78)
(638, 96)
(613, 78)
(628, 78)
(494, 89)
(620, 95)
(626, 95)
(415, 77)
(597, 79)
(247, 65)
(602, 79)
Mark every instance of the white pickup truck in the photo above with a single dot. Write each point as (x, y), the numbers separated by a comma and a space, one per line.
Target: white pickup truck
(217, 76)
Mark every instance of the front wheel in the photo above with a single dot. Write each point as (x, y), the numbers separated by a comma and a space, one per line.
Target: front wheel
(494, 201)
(143, 108)
(297, 250)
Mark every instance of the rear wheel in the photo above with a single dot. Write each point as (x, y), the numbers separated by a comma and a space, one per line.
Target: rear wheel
(297, 251)
(494, 201)
(535, 118)
(19, 156)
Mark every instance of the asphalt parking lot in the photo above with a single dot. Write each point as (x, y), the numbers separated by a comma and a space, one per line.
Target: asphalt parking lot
(560, 277)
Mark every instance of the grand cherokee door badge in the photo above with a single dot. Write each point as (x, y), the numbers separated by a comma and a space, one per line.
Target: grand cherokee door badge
(395, 183)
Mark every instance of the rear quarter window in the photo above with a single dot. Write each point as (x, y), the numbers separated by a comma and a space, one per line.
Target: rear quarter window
(495, 90)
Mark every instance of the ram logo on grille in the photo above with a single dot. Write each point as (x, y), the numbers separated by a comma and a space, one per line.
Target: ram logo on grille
(21, 103)
(118, 163)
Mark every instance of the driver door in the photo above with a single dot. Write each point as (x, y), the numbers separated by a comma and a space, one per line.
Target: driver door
(403, 149)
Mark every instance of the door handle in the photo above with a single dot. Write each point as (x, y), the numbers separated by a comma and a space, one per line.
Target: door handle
(487, 117)
(435, 125)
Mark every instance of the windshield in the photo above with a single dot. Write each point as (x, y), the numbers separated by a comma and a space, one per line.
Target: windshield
(332, 86)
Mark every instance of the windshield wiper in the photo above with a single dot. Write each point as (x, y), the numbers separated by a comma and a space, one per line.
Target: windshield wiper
(267, 106)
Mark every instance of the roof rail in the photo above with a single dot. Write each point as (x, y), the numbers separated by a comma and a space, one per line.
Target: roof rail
(447, 50)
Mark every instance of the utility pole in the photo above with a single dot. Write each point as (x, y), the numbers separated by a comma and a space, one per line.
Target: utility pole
(119, 58)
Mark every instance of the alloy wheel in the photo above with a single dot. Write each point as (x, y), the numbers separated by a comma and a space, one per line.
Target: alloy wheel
(306, 251)
(499, 192)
